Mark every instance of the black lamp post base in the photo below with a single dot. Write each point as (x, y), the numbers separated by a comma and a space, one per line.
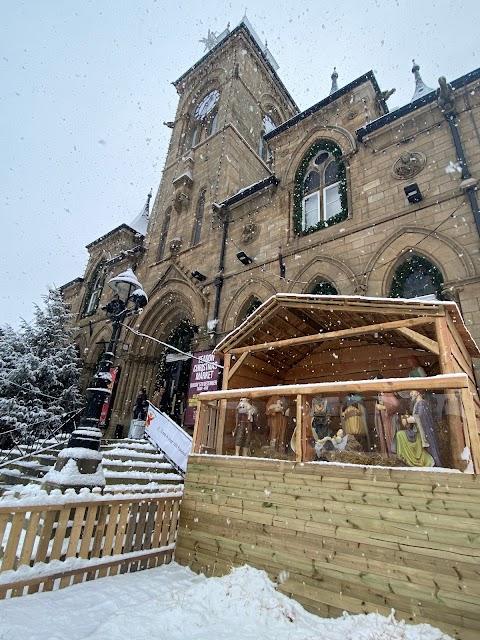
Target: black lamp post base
(80, 464)
(86, 438)
(76, 468)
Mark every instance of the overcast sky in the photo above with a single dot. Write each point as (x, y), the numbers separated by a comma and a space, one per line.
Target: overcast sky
(86, 87)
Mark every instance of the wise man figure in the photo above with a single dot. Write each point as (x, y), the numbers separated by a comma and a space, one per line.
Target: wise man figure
(277, 422)
(245, 412)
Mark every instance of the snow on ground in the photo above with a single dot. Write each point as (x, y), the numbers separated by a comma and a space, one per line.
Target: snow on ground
(173, 603)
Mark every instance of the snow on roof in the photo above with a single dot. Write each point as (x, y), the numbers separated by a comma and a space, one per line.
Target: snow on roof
(140, 223)
(372, 304)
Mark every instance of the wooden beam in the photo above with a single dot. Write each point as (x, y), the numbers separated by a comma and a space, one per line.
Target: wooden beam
(457, 426)
(394, 308)
(472, 436)
(418, 338)
(454, 381)
(236, 366)
(443, 340)
(331, 335)
(454, 332)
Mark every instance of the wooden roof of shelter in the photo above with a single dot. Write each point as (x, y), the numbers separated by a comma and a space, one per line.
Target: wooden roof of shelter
(287, 327)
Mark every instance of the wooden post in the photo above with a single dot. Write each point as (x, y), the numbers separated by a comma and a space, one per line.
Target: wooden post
(223, 405)
(298, 430)
(456, 425)
(199, 426)
(472, 435)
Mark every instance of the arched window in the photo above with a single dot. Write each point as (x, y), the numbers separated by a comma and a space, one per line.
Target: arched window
(164, 234)
(268, 125)
(416, 277)
(205, 117)
(248, 308)
(197, 229)
(94, 292)
(324, 288)
(320, 192)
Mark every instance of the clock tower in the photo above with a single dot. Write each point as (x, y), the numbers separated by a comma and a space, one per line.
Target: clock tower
(228, 101)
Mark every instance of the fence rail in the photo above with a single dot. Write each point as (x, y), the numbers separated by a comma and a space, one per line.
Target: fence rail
(56, 544)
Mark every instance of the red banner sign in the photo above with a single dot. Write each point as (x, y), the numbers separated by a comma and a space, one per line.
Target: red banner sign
(203, 377)
(108, 399)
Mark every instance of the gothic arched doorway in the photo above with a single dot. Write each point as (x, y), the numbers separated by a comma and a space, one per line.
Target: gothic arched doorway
(174, 371)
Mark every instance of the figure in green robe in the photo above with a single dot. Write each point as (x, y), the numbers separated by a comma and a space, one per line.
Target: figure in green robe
(410, 447)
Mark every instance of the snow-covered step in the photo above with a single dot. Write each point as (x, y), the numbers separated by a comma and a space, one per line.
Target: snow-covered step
(29, 468)
(140, 465)
(127, 464)
(121, 453)
(141, 477)
(15, 476)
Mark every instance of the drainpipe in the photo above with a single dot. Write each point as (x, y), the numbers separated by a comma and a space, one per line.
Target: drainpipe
(446, 103)
(219, 279)
(281, 264)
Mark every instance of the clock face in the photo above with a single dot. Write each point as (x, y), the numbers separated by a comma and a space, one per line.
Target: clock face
(206, 104)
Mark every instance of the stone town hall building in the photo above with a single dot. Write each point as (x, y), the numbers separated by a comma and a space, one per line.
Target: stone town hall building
(258, 198)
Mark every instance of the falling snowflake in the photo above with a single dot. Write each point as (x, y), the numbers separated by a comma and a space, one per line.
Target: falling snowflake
(283, 577)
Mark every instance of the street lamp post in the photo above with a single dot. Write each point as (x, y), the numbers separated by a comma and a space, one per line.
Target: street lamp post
(79, 464)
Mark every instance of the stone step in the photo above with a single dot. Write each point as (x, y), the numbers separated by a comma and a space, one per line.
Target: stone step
(47, 459)
(126, 463)
(5, 487)
(139, 446)
(134, 477)
(29, 469)
(14, 477)
(130, 454)
(147, 467)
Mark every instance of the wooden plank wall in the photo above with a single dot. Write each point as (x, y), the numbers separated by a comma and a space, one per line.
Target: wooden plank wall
(351, 538)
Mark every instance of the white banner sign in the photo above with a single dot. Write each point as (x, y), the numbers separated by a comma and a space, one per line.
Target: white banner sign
(170, 438)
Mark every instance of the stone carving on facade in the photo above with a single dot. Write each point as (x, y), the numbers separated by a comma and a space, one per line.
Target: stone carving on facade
(445, 97)
(175, 245)
(250, 232)
(408, 165)
(360, 288)
(180, 201)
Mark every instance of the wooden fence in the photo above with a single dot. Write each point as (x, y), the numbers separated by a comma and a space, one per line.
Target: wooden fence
(53, 545)
(353, 538)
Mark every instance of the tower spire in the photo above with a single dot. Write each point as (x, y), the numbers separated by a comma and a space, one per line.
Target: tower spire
(421, 88)
(334, 77)
(140, 223)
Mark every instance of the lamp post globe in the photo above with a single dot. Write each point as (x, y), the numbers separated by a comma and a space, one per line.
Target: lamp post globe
(79, 464)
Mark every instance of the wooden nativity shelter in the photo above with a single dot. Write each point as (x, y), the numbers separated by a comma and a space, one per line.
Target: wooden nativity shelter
(300, 346)
(362, 537)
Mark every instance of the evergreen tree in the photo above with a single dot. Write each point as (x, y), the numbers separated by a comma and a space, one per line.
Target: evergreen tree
(39, 372)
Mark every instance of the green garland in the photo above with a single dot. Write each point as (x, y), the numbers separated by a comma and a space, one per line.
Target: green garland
(324, 288)
(334, 149)
(416, 263)
(182, 335)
